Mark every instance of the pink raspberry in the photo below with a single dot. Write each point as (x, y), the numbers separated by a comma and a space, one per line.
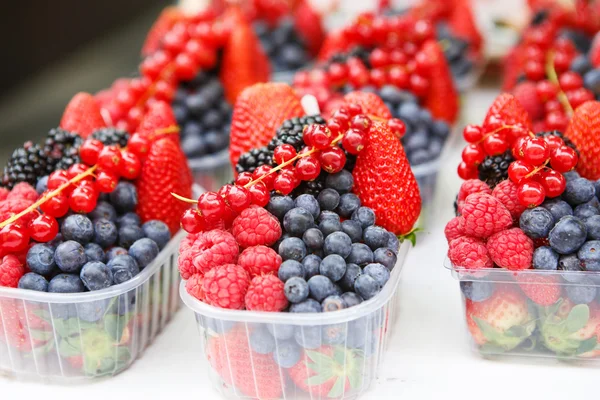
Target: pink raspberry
(194, 286)
(199, 253)
(484, 215)
(470, 253)
(3, 193)
(260, 260)
(511, 249)
(472, 186)
(23, 191)
(255, 226)
(455, 228)
(225, 286)
(266, 294)
(11, 270)
(506, 192)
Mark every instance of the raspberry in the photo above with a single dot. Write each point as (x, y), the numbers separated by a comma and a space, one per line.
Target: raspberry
(544, 290)
(506, 192)
(3, 193)
(194, 286)
(484, 215)
(201, 252)
(266, 294)
(256, 226)
(470, 253)
(511, 249)
(455, 228)
(225, 286)
(260, 260)
(472, 186)
(11, 270)
(24, 191)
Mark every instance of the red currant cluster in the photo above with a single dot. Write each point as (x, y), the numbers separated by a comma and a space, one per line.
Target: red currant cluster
(190, 45)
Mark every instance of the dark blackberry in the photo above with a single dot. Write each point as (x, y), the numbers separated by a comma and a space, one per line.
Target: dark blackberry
(539, 17)
(311, 187)
(494, 169)
(560, 135)
(110, 136)
(62, 148)
(357, 51)
(253, 159)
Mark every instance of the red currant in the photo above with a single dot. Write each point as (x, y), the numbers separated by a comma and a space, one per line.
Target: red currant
(83, 200)
(579, 96)
(332, 159)
(335, 127)
(14, 238)
(308, 168)
(557, 121)
(473, 154)
(554, 182)
(473, 133)
(354, 141)
(285, 182)
(192, 222)
(519, 170)
(186, 66)
(358, 76)
(554, 142)
(517, 149)
(570, 81)
(466, 171)
(342, 118)
(56, 206)
(320, 137)
(265, 170)
(531, 194)
(495, 144)
(399, 77)
(106, 181)
(534, 70)
(238, 198)
(90, 150)
(337, 72)
(546, 90)
(354, 109)
(139, 145)
(379, 58)
(76, 170)
(260, 193)
(361, 123)
(419, 85)
(57, 179)
(563, 159)
(211, 206)
(553, 106)
(397, 127)
(43, 228)
(131, 167)
(244, 178)
(110, 159)
(535, 151)
(285, 152)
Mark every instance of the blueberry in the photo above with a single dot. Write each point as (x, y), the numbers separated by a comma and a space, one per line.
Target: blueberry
(216, 140)
(33, 281)
(66, 283)
(351, 299)
(123, 268)
(361, 254)
(393, 242)
(70, 256)
(289, 269)
(212, 119)
(585, 210)
(105, 232)
(571, 175)
(144, 251)
(311, 264)
(329, 226)
(157, 231)
(261, 341)
(567, 235)
(320, 287)
(385, 256)
(115, 251)
(378, 272)
(477, 290)
(309, 337)
(280, 205)
(365, 216)
(582, 293)
(293, 56)
(42, 185)
(558, 208)
(94, 252)
(104, 210)
(333, 267)
(193, 143)
(353, 229)
(571, 264)
(579, 191)
(589, 255)
(545, 258)
(91, 311)
(329, 199)
(297, 221)
(597, 188)
(325, 215)
(197, 104)
(375, 237)
(129, 234)
(281, 331)
(56, 241)
(124, 198)
(391, 94)
(292, 248)
(536, 222)
(334, 333)
(581, 64)
(296, 289)
(347, 281)
(77, 227)
(313, 239)
(306, 306)
(40, 259)
(129, 218)
(96, 276)
(341, 181)
(333, 303)
(287, 353)
(409, 112)
(338, 243)
(441, 128)
(592, 224)
(366, 286)
(591, 80)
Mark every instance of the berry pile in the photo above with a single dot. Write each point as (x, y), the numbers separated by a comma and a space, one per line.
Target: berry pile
(282, 44)
(458, 53)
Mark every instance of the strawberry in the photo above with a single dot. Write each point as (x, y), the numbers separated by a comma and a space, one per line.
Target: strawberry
(308, 24)
(253, 374)
(328, 372)
(257, 114)
(384, 181)
(244, 62)
(541, 289)
(17, 325)
(525, 93)
(501, 322)
(159, 118)
(594, 54)
(508, 109)
(584, 132)
(164, 172)
(335, 42)
(82, 115)
(167, 18)
(442, 99)
(371, 104)
(463, 24)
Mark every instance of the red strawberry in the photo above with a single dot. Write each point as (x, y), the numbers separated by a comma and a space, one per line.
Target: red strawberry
(253, 374)
(584, 132)
(244, 62)
(463, 24)
(594, 54)
(509, 110)
(167, 18)
(384, 181)
(541, 289)
(257, 114)
(158, 122)
(164, 172)
(442, 99)
(371, 104)
(82, 115)
(309, 25)
(525, 93)
(335, 42)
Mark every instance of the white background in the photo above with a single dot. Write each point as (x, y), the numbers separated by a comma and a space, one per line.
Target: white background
(428, 356)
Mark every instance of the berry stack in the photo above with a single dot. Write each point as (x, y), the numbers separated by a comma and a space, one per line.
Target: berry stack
(284, 46)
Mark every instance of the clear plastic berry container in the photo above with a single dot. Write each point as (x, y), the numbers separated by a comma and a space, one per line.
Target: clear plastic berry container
(323, 355)
(426, 175)
(66, 337)
(531, 313)
(212, 171)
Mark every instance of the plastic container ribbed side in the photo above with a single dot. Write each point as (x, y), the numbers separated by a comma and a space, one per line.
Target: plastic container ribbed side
(532, 313)
(289, 355)
(426, 175)
(212, 171)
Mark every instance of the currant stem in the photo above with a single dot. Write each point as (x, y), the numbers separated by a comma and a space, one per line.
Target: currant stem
(530, 133)
(537, 169)
(553, 77)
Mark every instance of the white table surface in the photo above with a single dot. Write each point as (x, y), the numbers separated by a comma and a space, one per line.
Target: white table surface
(427, 357)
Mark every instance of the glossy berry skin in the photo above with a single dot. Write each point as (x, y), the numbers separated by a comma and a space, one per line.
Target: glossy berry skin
(308, 168)
(83, 200)
(14, 238)
(285, 182)
(495, 144)
(211, 206)
(319, 136)
(554, 182)
(192, 222)
(43, 228)
(518, 170)
(473, 154)
(106, 182)
(238, 198)
(110, 159)
(265, 170)
(361, 123)
(473, 133)
(244, 178)
(57, 206)
(76, 170)
(466, 171)
(333, 159)
(397, 127)
(131, 166)
(260, 193)
(531, 194)
(139, 145)
(283, 153)
(354, 140)
(90, 150)
(563, 159)
(535, 151)
(57, 179)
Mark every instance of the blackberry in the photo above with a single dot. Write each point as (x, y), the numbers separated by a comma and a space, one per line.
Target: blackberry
(253, 159)
(565, 139)
(494, 169)
(356, 52)
(62, 148)
(313, 187)
(110, 136)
